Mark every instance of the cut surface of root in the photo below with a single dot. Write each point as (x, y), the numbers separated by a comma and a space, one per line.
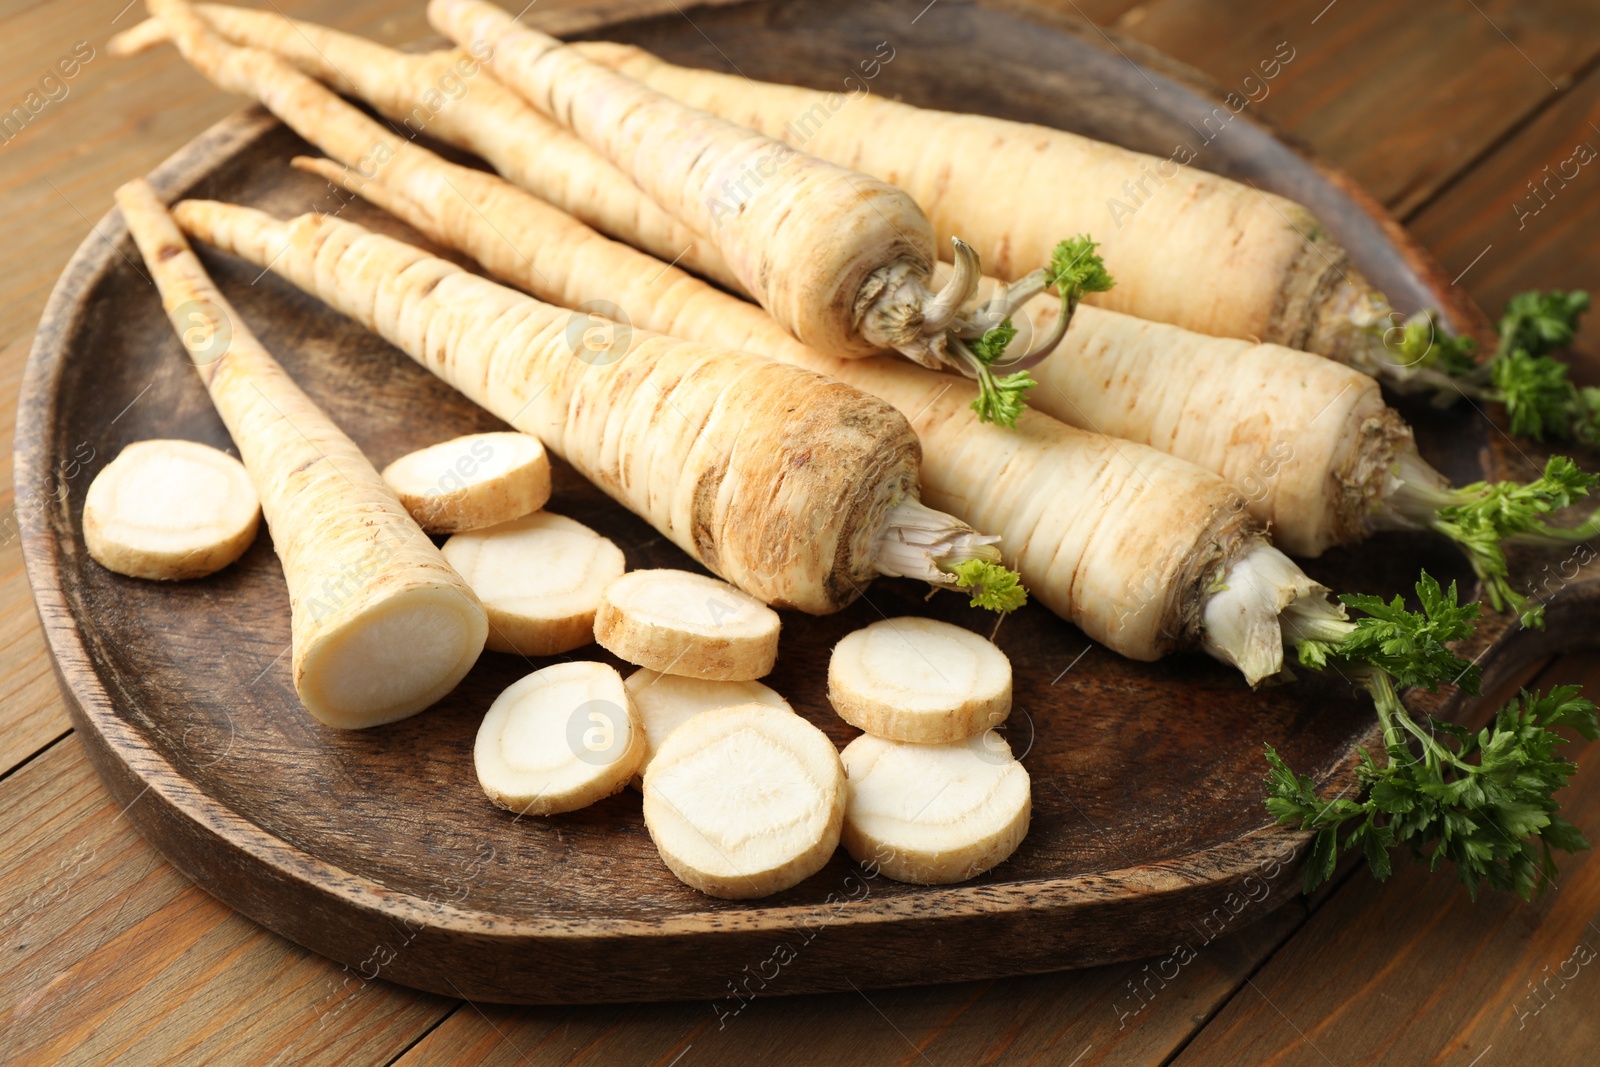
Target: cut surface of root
(405, 652)
(919, 680)
(745, 801)
(1241, 616)
(559, 739)
(677, 622)
(540, 579)
(934, 814)
(472, 482)
(170, 509)
(667, 701)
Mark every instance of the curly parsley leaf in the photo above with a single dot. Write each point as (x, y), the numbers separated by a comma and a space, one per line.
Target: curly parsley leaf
(1483, 801)
(990, 585)
(1491, 513)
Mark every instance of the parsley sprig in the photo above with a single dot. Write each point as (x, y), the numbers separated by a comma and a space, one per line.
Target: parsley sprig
(1075, 270)
(999, 400)
(1485, 516)
(990, 585)
(1524, 374)
(1483, 801)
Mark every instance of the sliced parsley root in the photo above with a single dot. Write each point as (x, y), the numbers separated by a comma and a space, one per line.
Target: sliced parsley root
(1483, 800)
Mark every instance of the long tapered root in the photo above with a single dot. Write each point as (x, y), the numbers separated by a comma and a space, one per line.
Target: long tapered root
(381, 626)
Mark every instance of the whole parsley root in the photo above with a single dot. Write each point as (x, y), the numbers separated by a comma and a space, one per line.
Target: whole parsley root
(1483, 801)
(841, 259)
(1133, 546)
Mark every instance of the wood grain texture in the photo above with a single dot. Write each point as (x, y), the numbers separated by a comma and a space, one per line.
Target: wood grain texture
(1364, 84)
(31, 712)
(1415, 972)
(1129, 835)
(136, 129)
(1129, 1013)
(108, 955)
(1511, 224)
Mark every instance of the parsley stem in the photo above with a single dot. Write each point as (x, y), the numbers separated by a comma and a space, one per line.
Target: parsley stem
(1391, 712)
(919, 542)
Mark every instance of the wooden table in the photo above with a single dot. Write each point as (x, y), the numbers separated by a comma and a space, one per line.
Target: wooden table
(1449, 111)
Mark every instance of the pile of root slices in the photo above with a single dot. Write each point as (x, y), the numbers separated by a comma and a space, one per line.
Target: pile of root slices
(742, 796)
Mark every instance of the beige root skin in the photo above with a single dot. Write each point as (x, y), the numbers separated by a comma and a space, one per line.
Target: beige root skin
(169, 510)
(740, 421)
(1307, 441)
(382, 627)
(803, 236)
(1279, 276)
(678, 622)
(482, 116)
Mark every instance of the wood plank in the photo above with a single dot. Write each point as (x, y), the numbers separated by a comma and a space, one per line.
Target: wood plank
(1415, 972)
(108, 955)
(118, 118)
(1401, 103)
(31, 712)
(1127, 1013)
(1506, 236)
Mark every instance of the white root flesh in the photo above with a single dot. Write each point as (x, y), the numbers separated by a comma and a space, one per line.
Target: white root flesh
(166, 510)
(540, 578)
(472, 482)
(559, 740)
(381, 626)
(687, 624)
(1242, 616)
(919, 680)
(746, 801)
(934, 814)
(667, 701)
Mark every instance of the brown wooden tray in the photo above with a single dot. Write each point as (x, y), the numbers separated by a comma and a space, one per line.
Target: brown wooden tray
(379, 850)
